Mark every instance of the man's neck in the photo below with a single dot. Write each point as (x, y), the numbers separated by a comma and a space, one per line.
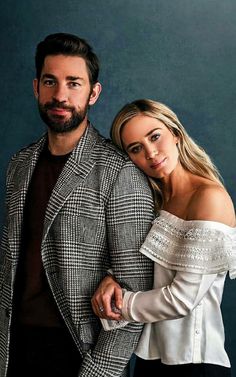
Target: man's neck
(62, 143)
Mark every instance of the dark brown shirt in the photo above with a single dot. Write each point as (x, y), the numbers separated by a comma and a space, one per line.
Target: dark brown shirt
(35, 305)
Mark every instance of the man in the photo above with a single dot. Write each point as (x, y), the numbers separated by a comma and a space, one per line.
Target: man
(75, 208)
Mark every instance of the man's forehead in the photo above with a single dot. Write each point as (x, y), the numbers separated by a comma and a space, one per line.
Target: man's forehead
(73, 66)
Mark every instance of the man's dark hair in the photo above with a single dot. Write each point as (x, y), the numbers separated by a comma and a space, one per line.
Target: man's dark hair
(68, 45)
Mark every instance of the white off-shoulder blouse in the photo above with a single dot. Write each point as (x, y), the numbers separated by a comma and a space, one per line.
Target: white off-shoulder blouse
(182, 312)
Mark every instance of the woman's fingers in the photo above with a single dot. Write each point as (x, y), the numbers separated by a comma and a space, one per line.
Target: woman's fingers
(107, 300)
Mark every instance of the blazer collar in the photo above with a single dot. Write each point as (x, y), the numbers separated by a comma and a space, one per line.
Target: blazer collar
(79, 162)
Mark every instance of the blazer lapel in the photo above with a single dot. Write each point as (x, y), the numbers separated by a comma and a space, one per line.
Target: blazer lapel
(26, 162)
(73, 174)
(26, 168)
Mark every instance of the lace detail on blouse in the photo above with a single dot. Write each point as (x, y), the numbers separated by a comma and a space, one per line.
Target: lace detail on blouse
(196, 246)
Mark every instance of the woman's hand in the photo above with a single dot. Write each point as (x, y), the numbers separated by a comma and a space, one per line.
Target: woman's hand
(107, 300)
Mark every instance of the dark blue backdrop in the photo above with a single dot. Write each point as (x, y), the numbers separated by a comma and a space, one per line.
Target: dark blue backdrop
(179, 52)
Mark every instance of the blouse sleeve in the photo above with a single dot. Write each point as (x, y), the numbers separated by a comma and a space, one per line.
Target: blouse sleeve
(170, 302)
(197, 251)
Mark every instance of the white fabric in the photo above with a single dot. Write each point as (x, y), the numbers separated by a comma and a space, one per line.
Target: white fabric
(195, 246)
(182, 311)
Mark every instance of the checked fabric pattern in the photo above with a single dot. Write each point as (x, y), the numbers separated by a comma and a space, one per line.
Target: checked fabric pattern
(97, 218)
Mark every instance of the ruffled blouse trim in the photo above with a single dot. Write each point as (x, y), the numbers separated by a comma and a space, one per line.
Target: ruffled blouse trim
(196, 246)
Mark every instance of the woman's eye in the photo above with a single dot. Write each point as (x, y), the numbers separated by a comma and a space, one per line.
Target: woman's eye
(155, 137)
(136, 149)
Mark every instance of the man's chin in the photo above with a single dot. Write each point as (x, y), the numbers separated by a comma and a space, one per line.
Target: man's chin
(59, 128)
(59, 119)
(62, 127)
(59, 124)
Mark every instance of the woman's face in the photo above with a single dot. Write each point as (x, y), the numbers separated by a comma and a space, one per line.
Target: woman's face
(150, 145)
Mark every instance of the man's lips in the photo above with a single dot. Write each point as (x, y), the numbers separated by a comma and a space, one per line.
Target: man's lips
(158, 164)
(59, 111)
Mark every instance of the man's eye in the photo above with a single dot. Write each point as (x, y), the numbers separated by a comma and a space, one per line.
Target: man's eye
(73, 84)
(49, 82)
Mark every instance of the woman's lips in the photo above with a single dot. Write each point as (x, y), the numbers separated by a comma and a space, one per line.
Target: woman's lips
(158, 164)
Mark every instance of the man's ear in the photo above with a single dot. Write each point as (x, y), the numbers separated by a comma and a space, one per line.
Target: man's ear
(36, 88)
(97, 88)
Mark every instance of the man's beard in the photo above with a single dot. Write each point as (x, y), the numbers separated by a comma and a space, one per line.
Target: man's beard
(55, 122)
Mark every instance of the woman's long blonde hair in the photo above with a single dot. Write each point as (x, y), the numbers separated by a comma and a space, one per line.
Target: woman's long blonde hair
(192, 157)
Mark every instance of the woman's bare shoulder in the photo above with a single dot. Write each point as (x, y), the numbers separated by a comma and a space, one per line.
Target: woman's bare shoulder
(212, 202)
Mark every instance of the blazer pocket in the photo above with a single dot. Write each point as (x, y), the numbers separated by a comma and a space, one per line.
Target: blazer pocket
(85, 226)
(88, 331)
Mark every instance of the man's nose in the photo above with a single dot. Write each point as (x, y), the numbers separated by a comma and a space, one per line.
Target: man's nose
(60, 93)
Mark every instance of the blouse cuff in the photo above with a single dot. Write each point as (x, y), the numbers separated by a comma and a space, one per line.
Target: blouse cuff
(126, 310)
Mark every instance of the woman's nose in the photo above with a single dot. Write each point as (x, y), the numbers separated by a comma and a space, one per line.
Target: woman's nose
(151, 153)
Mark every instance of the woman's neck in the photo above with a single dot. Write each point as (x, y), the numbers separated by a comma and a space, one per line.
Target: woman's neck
(178, 189)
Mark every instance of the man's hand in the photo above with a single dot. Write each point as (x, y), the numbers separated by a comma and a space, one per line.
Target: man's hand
(107, 300)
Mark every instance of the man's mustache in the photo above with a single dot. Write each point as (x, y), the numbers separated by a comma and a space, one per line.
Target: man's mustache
(57, 105)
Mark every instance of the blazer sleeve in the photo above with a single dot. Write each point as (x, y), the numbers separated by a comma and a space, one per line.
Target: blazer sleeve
(129, 214)
(4, 239)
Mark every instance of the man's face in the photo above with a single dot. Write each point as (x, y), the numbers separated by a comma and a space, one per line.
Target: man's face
(64, 92)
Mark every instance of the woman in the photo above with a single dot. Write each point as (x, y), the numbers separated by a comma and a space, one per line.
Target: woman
(192, 242)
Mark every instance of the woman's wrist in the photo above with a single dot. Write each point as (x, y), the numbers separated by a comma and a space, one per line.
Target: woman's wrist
(128, 298)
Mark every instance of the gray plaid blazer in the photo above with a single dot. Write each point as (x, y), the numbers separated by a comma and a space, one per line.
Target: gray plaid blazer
(98, 215)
